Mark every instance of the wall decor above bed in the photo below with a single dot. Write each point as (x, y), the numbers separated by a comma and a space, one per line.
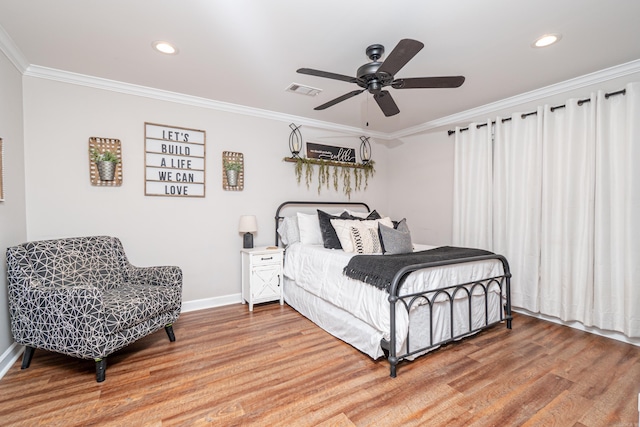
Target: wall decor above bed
(334, 163)
(330, 173)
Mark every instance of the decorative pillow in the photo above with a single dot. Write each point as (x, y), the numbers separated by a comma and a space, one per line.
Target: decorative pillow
(288, 230)
(343, 229)
(365, 240)
(361, 215)
(329, 237)
(309, 227)
(396, 241)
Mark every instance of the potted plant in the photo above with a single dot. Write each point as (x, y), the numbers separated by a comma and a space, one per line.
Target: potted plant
(106, 162)
(232, 169)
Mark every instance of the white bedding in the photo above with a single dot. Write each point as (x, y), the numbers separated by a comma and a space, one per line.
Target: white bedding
(313, 271)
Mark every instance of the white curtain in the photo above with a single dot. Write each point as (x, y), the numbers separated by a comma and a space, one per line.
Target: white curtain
(616, 304)
(472, 187)
(564, 188)
(566, 241)
(517, 198)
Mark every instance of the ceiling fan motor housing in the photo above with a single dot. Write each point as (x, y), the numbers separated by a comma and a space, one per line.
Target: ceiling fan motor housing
(369, 78)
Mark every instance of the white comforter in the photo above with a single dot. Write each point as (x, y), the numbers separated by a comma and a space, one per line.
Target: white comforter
(319, 272)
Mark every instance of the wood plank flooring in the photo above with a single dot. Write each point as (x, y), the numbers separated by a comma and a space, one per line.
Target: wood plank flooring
(229, 367)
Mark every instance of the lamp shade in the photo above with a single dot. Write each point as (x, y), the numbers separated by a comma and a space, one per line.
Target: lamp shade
(248, 224)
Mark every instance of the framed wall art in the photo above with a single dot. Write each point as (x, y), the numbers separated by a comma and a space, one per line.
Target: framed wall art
(174, 161)
(232, 171)
(105, 162)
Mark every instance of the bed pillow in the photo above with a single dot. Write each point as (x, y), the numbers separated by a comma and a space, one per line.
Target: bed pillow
(329, 237)
(396, 240)
(288, 230)
(343, 229)
(366, 240)
(362, 215)
(309, 227)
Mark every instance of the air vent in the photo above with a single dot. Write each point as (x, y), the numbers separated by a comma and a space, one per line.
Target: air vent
(303, 90)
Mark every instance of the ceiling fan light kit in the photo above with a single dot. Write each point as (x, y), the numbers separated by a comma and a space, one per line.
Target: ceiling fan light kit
(376, 75)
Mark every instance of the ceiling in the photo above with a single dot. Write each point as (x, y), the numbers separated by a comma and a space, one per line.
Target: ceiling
(246, 52)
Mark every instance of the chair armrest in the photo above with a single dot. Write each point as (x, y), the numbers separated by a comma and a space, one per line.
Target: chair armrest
(157, 275)
(42, 315)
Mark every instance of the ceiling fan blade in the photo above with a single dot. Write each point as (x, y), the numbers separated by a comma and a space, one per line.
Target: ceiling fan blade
(428, 82)
(386, 103)
(339, 99)
(326, 75)
(400, 55)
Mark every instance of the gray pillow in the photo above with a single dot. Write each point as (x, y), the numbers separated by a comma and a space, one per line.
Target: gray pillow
(396, 240)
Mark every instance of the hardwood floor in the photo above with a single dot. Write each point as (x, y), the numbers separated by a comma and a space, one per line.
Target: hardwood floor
(271, 367)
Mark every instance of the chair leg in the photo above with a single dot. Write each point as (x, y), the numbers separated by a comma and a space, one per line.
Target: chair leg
(101, 367)
(169, 329)
(26, 358)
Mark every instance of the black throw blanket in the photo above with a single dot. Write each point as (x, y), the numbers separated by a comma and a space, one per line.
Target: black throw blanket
(379, 270)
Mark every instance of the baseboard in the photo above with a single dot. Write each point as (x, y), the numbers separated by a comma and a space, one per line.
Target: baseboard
(201, 304)
(618, 336)
(9, 357)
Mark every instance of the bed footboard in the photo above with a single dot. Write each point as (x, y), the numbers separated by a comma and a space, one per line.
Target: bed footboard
(483, 286)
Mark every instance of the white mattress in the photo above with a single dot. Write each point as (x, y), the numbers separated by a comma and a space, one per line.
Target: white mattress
(315, 284)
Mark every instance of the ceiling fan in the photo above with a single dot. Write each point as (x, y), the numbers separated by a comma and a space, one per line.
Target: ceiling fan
(376, 75)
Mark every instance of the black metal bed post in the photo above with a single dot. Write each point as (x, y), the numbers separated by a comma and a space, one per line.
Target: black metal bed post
(507, 275)
(393, 360)
(394, 296)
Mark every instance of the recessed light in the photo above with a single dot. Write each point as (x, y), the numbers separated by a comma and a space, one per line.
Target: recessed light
(547, 40)
(165, 47)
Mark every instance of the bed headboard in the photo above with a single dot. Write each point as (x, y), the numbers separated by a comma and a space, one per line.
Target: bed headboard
(315, 205)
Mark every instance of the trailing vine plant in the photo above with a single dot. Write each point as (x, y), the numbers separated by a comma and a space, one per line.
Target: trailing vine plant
(341, 173)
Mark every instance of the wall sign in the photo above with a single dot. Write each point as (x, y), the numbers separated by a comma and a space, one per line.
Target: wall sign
(174, 161)
(330, 152)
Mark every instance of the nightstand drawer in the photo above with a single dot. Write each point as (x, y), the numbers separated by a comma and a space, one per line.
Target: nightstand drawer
(266, 259)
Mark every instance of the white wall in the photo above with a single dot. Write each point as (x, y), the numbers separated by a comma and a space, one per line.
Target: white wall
(421, 186)
(198, 234)
(13, 228)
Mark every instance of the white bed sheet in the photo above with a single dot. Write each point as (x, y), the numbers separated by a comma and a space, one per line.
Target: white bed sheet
(319, 272)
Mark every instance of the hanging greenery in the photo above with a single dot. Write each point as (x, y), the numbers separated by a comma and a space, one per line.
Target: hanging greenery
(341, 172)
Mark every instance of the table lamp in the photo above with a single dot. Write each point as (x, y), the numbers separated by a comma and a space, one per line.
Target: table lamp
(248, 225)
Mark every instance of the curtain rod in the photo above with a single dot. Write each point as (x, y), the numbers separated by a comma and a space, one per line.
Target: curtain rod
(557, 107)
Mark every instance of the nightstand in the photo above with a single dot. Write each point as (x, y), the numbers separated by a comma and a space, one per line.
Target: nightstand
(262, 275)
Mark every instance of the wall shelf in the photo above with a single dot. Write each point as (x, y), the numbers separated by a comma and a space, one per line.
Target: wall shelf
(342, 172)
(329, 163)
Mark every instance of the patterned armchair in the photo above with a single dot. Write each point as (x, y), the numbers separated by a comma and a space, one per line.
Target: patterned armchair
(81, 297)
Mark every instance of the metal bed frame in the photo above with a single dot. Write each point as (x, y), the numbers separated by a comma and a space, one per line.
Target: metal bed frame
(396, 299)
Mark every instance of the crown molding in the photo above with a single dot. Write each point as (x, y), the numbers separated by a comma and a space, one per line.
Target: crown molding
(19, 61)
(11, 51)
(195, 101)
(534, 95)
